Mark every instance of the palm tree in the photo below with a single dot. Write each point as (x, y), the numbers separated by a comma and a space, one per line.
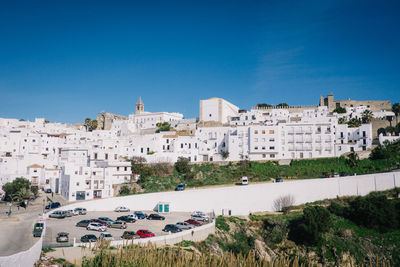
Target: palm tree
(367, 116)
(20, 195)
(396, 110)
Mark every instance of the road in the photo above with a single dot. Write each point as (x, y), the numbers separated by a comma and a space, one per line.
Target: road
(16, 230)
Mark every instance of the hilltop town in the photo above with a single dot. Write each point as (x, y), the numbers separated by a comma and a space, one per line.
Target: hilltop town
(83, 162)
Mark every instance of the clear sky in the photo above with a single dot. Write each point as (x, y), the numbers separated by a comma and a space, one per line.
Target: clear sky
(68, 60)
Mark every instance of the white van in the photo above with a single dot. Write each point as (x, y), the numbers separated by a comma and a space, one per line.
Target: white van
(245, 180)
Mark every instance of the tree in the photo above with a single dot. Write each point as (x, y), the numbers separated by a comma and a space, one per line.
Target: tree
(90, 124)
(282, 105)
(340, 110)
(390, 129)
(352, 159)
(367, 116)
(163, 127)
(124, 191)
(381, 131)
(309, 228)
(283, 203)
(341, 120)
(182, 165)
(264, 105)
(396, 110)
(354, 122)
(18, 187)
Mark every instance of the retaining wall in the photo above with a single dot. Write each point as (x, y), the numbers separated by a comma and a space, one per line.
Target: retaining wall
(25, 258)
(242, 200)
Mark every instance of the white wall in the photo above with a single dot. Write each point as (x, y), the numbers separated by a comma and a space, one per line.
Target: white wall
(25, 258)
(242, 200)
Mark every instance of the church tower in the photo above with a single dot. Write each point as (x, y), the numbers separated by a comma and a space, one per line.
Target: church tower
(139, 106)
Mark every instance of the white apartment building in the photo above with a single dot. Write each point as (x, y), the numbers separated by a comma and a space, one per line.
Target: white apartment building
(86, 165)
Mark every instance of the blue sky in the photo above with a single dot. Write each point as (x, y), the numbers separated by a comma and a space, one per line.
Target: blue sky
(68, 60)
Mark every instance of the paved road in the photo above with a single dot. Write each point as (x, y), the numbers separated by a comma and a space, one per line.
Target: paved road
(16, 230)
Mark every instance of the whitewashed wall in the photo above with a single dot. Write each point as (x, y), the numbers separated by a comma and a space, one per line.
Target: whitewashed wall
(242, 200)
(25, 258)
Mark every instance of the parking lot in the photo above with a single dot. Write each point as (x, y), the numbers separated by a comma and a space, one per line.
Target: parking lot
(67, 224)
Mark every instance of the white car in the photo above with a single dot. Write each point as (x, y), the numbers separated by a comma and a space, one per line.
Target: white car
(200, 213)
(122, 209)
(200, 218)
(132, 216)
(184, 225)
(96, 227)
(106, 236)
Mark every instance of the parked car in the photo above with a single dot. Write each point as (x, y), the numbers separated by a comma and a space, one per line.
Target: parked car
(107, 220)
(59, 214)
(144, 233)
(80, 211)
(140, 215)
(278, 180)
(130, 235)
(154, 216)
(69, 213)
(343, 174)
(194, 222)
(122, 209)
(184, 225)
(106, 236)
(118, 224)
(197, 212)
(88, 238)
(200, 218)
(96, 227)
(53, 205)
(62, 237)
(83, 223)
(48, 191)
(126, 219)
(180, 187)
(133, 216)
(98, 221)
(245, 180)
(38, 229)
(171, 228)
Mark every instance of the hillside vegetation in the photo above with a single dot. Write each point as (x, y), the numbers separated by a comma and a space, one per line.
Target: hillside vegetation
(165, 177)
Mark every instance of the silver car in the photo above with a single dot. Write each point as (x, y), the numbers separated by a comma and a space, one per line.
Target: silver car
(80, 211)
(184, 225)
(59, 214)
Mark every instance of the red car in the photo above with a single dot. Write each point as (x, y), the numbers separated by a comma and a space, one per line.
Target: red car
(194, 222)
(144, 233)
(101, 222)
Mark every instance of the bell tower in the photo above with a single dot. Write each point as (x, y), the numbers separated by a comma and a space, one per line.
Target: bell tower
(139, 106)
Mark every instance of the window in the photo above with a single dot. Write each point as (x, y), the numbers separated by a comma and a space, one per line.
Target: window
(117, 169)
(141, 150)
(255, 131)
(167, 141)
(263, 131)
(182, 145)
(272, 155)
(106, 156)
(256, 148)
(263, 148)
(271, 131)
(115, 156)
(272, 140)
(126, 168)
(271, 147)
(264, 156)
(95, 155)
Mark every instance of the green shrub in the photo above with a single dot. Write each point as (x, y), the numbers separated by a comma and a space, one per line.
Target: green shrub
(241, 244)
(124, 191)
(221, 224)
(182, 165)
(375, 212)
(309, 228)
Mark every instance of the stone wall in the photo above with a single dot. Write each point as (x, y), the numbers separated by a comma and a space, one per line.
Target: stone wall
(105, 120)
